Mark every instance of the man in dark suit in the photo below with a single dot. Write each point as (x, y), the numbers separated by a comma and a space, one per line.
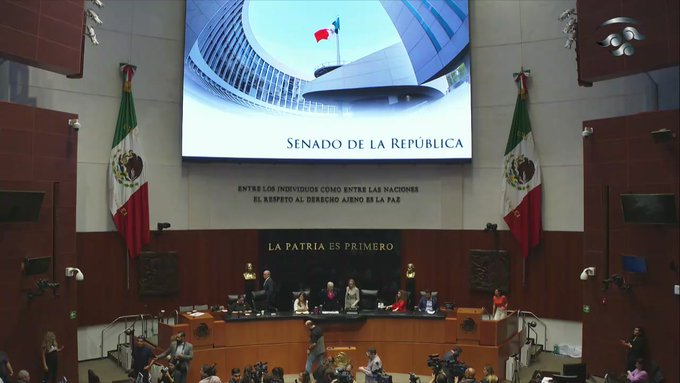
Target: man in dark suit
(428, 303)
(269, 288)
(182, 352)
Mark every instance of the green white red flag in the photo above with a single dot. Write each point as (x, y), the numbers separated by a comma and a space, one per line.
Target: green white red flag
(128, 189)
(522, 176)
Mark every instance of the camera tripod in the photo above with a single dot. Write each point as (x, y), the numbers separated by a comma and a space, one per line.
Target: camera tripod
(515, 372)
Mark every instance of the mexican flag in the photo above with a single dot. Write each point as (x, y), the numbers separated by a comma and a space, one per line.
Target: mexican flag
(522, 176)
(323, 34)
(128, 189)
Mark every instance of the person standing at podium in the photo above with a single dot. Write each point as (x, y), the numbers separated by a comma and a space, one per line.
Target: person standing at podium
(317, 347)
(500, 305)
(351, 296)
(329, 298)
(269, 288)
(181, 352)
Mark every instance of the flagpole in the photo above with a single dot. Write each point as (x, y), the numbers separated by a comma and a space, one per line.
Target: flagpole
(337, 45)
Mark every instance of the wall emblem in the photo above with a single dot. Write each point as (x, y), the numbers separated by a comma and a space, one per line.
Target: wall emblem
(623, 42)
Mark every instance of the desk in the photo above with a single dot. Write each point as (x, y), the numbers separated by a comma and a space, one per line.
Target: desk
(403, 341)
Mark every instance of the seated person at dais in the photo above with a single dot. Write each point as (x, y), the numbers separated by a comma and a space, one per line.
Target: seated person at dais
(240, 305)
(300, 306)
(330, 299)
(428, 303)
(399, 304)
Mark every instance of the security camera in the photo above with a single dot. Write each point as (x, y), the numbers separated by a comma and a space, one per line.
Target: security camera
(163, 225)
(587, 272)
(74, 123)
(587, 131)
(75, 272)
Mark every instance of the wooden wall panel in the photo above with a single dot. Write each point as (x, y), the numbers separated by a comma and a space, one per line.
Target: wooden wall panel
(31, 164)
(211, 263)
(646, 167)
(46, 34)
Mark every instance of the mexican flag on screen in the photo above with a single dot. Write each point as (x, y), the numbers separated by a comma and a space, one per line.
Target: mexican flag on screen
(522, 176)
(128, 189)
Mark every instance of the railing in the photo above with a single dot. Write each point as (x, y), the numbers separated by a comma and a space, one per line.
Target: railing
(126, 319)
(523, 315)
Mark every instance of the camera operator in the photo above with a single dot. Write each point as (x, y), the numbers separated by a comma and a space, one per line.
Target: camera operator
(209, 374)
(373, 367)
(453, 367)
(277, 375)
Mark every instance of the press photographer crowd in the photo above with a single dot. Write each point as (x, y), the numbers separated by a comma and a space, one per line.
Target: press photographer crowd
(320, 367)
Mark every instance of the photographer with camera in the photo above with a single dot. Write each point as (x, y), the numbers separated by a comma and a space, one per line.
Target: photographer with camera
(168, 373)
(181, 353)
(374, 366)
(209, 374)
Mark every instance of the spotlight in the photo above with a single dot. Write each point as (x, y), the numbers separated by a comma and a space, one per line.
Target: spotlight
(98, 3)
(163, 225)
(587, 272)
(74, 123)
(94, 16)
(75, 272)
(491, 227)
(89, 32)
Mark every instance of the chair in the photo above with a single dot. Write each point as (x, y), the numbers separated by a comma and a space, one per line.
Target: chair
(575, 369)
(434, 293)
(186, 309)
(369, 299)
(201, 307)
(260, 300)
(232, 298)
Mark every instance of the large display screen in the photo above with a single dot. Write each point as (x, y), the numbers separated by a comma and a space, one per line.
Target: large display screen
(327, 80)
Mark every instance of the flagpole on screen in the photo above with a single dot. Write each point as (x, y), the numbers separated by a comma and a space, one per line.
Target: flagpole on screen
(336, 26)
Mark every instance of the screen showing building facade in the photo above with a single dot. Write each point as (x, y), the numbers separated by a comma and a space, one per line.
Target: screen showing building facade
(327, 80)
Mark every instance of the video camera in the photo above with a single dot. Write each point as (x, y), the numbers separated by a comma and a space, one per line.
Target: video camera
(452, 368)
(381, 377)
(260, 370)
(413, 378)
(343, 376)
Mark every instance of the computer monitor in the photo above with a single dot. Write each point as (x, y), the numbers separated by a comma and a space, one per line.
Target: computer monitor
(634, 264)
(565, 379)
(575, 369)
(20, 206)
(649, 208)
(35, 266)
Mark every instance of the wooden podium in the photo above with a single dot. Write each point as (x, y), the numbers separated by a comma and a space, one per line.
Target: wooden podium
(469, 320)
(200, 332)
